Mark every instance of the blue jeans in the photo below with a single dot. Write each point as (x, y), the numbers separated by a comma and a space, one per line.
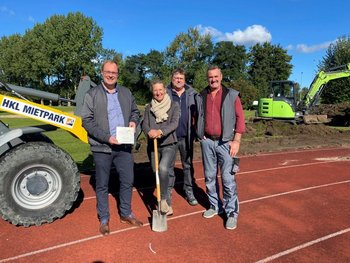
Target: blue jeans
(214, 153)
(123, 161)
(186, 155)
(166, 156)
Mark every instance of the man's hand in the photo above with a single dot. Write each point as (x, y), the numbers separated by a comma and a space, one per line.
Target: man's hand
(234, 144)
(132, 125)
(112, 140)
(234, 148)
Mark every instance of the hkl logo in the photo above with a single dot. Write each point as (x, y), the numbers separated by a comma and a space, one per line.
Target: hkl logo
(70, 122)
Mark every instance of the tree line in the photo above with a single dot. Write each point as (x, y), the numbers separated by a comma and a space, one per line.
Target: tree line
(53, 56)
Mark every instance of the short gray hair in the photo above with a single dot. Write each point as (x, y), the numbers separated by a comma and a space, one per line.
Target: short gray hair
(154, 82)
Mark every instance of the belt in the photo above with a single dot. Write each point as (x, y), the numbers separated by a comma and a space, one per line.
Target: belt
(213, 137)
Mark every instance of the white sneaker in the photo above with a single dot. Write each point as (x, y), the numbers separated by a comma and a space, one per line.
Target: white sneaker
(231, 223)
(211, 212)
(170, 212)
(164, 207)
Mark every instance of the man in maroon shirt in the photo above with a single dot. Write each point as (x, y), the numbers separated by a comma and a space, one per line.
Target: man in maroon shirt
(220, 127)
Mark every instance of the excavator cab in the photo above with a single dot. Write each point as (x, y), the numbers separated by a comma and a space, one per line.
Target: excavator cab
(281, 102)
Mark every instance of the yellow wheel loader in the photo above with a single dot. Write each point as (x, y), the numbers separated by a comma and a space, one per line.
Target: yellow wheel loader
(39, 182)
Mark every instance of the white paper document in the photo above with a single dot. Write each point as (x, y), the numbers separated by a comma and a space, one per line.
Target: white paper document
(125, 135)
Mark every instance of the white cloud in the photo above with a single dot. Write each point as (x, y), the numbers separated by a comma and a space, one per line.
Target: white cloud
(208, 30)
(251, 35)
(256, 34)
(5, 10)
(31, 19)
(290, 47)
(303, 48)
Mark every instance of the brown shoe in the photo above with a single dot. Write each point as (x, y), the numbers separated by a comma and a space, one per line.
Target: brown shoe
(104, 229)
(131, 221)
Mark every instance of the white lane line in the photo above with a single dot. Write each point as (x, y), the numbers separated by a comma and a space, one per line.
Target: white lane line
(292, 166)
(294, 191)
(292, 152)
(63, 245)
(147, 224)
(269, 154)
(247, 172)
(282, 167)
(294, 249)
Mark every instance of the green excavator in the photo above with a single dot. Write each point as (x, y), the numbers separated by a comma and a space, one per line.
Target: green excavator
(283, 102)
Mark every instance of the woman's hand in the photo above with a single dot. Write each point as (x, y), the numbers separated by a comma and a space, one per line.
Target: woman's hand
(154, 134)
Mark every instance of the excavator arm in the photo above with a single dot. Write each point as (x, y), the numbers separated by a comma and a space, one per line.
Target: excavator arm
(319, 82)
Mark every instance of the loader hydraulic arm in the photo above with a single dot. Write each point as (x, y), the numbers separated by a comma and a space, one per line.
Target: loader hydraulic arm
(319, 82)
(46, 114)
(60, 119)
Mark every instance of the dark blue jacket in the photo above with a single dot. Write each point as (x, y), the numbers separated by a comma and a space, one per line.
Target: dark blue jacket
(190, 93)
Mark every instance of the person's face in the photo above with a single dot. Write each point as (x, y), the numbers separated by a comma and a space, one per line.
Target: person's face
(214, 79)
(178, 81)
(158, 91)
(110, 74)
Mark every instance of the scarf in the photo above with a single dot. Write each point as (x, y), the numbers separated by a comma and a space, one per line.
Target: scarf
(160, 108)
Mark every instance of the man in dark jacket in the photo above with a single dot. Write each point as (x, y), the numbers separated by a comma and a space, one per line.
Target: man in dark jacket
(184, 95)
(106, 107)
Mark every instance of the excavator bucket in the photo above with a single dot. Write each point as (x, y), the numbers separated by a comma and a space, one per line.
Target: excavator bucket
(313, 119)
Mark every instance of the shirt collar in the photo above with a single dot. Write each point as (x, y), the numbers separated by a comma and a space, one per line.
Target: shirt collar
(107, 90)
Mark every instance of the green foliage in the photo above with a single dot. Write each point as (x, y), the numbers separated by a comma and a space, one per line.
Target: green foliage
(200, 78)
(139, 70)
(134, 72)
(338, 54)
(247, 91)
(268, 62)
(189, 51)
(249, 114)
(142, 97)
(232, 60)
(155, 68)
(53, 55)
(10, 60)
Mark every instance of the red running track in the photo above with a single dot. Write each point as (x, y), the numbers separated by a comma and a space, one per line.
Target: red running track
(294, 208)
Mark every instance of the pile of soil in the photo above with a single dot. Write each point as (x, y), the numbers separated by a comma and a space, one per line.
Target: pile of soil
(338, 113)
(274, 136)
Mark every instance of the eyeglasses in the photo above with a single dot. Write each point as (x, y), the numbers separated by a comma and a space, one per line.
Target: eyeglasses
(113, 73)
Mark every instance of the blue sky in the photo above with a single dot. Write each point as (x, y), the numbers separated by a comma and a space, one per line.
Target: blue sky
(304, 27)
